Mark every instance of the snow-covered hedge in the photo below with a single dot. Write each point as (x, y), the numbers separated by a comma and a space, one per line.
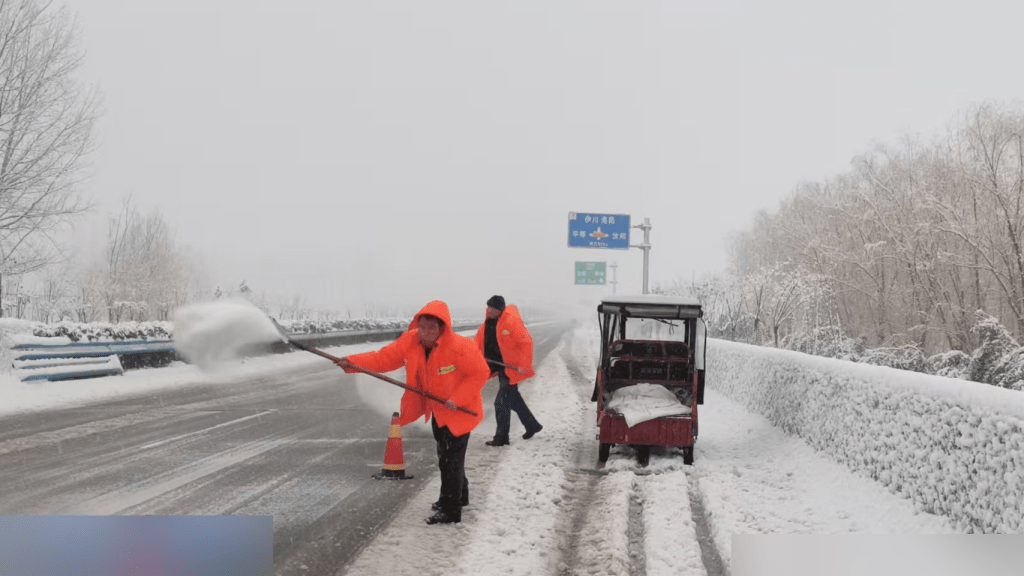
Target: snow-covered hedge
(953, 447)
(91, 332)
(326, 326)
(105, 331)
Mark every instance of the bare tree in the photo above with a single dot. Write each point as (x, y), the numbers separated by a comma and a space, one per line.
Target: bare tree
(46, 130)
(721, 298)
(980, 216)
(145, 275)
(902, 249)
(52, 301)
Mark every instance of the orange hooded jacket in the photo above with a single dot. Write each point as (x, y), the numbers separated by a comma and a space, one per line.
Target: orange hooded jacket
(515, 343)
(455, 370)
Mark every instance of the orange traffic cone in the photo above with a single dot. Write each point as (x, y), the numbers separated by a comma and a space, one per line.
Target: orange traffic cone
(394, 462)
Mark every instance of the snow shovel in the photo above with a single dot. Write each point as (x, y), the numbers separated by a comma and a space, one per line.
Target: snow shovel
(288, 340)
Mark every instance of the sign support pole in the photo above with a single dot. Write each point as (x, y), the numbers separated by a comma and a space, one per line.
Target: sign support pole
(585, 231)
(646, 246)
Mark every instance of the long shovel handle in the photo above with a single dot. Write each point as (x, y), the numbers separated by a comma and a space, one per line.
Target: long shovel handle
(407, 387)
(333, 358)
(505, 365)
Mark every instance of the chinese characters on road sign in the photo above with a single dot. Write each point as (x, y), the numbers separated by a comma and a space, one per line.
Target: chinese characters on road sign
(590, 273)
(598, 230)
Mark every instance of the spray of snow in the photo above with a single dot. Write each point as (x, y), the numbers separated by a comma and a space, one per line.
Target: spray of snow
(384, 398)
(211, 333)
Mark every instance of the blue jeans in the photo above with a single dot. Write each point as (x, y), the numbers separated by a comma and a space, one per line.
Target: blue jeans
(509, 399)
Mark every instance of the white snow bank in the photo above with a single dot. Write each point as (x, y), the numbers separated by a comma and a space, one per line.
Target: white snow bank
(15, 340)
(952, 447)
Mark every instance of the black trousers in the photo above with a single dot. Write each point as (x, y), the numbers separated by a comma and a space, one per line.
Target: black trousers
(451, 461)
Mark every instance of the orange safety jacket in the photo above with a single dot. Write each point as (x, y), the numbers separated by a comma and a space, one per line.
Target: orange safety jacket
(456, 370)
(515, 343)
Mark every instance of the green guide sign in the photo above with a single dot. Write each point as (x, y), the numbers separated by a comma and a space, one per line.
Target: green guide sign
(591, 273)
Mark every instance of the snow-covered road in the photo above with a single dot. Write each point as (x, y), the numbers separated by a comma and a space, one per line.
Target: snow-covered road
(544, 506)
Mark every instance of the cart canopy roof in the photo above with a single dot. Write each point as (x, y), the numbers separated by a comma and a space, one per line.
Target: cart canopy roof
(651, 306)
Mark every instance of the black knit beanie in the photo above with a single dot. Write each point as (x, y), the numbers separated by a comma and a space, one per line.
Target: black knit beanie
(496, 302)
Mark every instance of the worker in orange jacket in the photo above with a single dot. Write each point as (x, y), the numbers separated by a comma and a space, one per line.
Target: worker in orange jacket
(445, 365)
(508, 348)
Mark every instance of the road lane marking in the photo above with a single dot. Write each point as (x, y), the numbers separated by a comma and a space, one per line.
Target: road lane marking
(221, 425)
(117, 501)
(55, 437)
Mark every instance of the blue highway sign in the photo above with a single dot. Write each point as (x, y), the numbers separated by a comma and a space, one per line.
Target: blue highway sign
(598, 230)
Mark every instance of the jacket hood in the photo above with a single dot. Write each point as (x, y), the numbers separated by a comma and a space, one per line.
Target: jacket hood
(435, 308)
(512, 310)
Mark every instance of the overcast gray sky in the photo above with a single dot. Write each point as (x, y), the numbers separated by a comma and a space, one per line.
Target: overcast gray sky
(402, 151)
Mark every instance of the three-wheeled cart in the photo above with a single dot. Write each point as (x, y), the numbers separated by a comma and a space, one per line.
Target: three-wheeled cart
(649, 343)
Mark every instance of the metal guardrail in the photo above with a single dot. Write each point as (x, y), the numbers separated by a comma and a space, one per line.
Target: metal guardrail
(68, 369)
(90, 359)
(91, 349)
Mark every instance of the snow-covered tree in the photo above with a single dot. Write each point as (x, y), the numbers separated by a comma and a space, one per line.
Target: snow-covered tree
(46, 132)
(144, 275)
(905, 246)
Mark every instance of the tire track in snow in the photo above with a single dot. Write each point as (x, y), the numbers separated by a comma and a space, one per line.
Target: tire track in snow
(572, 522)
(635, 530)
(601, 521)
(710, 556)
(667, 533)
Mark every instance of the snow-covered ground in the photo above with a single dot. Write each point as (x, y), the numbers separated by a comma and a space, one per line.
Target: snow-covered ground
(953, 447)
(540, 506)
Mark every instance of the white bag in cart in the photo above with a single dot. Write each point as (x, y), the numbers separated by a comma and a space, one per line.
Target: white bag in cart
(645, 401)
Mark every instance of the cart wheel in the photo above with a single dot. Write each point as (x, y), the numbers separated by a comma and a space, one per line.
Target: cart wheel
(602, 453)
(643, 456)
(688, 455)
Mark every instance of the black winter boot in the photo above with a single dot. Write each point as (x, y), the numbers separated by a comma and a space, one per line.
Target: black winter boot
(445, 517)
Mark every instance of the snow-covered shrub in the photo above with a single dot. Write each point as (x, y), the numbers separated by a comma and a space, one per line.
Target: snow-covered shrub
(163, 330)
(736, 328)
(828, 341)
(105, 331)
(1009, 373)
(310, 326)
(951, 364)
(990, 358)
(906, 357)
